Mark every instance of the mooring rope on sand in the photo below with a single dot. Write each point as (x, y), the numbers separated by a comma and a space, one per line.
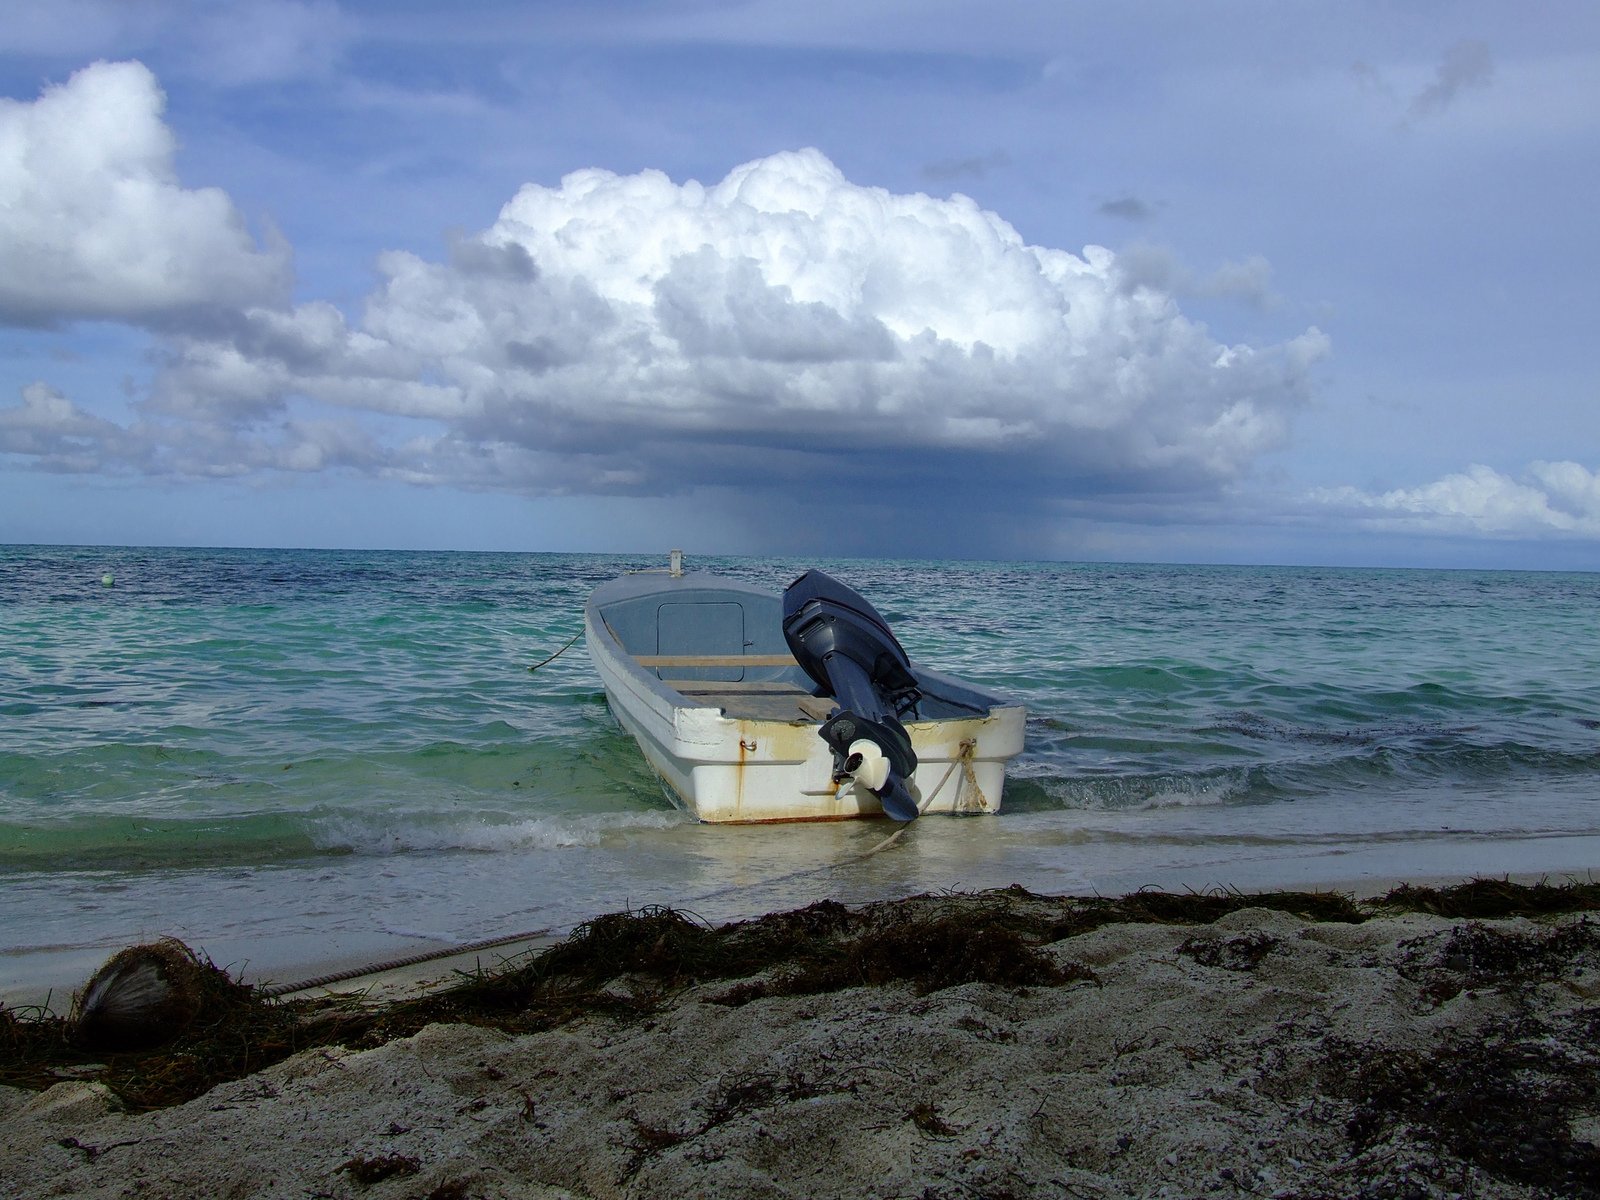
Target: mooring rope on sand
(283, 989)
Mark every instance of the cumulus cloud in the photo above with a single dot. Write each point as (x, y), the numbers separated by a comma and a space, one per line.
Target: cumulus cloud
(1552, 499)
(1144, 265)
(59, 436)
(94, 223)
(628, 333)
(780, 330)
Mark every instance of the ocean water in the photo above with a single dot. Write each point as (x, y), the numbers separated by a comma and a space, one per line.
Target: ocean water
(293, 758)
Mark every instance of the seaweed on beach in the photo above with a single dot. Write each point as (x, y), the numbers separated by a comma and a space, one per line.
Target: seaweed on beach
(1502, 1100)
(1475, 955)
(655, 943)
(368, 1171)
(1241, 953)
(13, 1033)
(252, 1036)
(222, 1042)
(626, 965)
(631, 961)
(1205, 908)
(1495, 899)
(1482, 954)
(33, 1043)
(927, 943)
(730, 1099)
(663, 943)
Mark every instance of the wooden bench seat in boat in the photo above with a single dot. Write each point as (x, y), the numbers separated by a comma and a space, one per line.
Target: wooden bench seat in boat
(715, 660)
(762, 699)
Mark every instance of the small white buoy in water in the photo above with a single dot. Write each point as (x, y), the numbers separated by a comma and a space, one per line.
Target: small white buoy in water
(107, 580)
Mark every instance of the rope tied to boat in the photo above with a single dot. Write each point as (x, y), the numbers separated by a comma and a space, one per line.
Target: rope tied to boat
(559, 652)
(272, 991)
(980, 803)
(963, 760)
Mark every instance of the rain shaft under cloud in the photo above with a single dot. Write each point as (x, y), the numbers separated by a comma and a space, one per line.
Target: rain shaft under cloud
(626, 334)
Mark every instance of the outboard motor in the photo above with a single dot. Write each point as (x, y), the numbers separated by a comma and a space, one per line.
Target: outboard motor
(846, 647)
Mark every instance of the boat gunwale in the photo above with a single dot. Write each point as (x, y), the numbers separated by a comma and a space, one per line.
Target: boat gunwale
(628, 665)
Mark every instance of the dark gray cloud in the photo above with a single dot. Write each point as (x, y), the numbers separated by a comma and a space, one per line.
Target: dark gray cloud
(976, 167)
(1466, 64)
(1127, 208)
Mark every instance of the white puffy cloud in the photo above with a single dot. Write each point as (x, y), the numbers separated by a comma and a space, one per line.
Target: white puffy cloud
(1554, 499)
(625, 333)
(94, 223)
(629, 333)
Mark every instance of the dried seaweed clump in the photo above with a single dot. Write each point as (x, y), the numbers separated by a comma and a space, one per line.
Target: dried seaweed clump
(12, 1034)
(925, 942)
(823, 947)
(211, 1029)
(1242, 952)
(947, 949)
(1495, 899)
(1503, 1102)
(368, 1171)
(1487, 955)
(659, 942)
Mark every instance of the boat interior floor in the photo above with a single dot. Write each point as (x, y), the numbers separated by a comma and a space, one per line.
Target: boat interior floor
(755, 701)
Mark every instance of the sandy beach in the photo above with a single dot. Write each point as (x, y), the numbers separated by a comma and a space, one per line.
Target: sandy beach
(991, 1045)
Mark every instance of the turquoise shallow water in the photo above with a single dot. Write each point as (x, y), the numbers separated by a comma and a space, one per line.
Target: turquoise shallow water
(290, 757)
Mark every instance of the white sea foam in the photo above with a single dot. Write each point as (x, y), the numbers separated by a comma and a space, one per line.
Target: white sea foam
(1136, 794)
(1196, 795)
(383, 834)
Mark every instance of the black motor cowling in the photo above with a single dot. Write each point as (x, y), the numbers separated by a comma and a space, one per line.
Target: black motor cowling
(846, 647)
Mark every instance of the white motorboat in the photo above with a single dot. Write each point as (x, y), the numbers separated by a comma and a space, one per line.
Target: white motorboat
(804, 707)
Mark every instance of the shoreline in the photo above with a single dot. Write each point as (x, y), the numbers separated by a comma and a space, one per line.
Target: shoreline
(996, 1043)
(54, 977)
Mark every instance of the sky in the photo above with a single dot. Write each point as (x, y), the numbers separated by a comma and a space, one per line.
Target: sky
(1253, 281)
